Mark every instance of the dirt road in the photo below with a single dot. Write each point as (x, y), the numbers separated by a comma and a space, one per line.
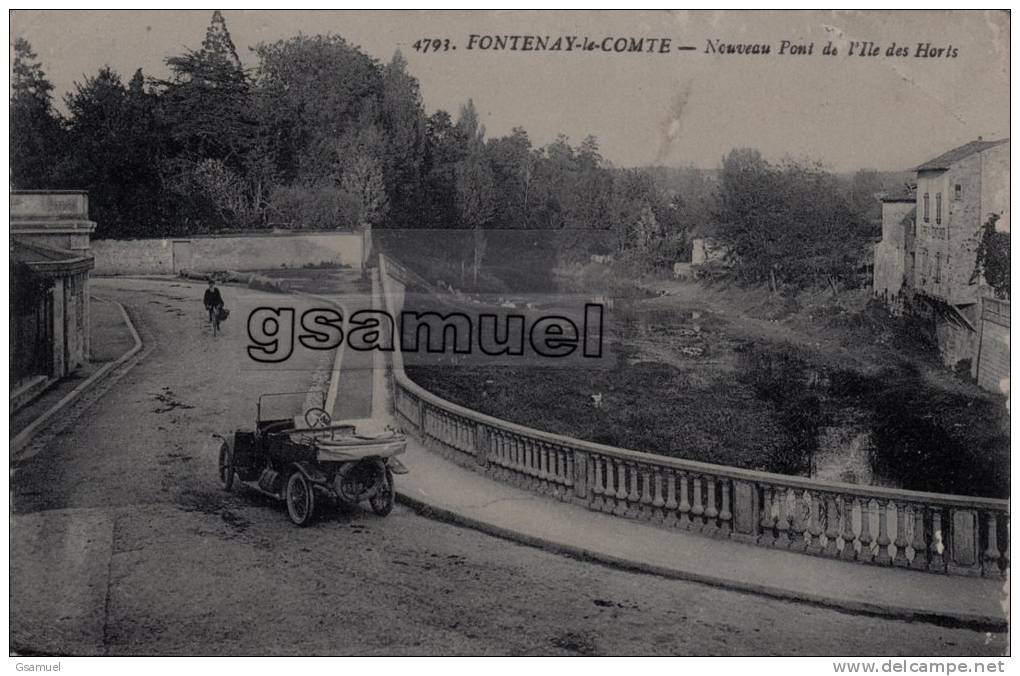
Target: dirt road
(123, 543)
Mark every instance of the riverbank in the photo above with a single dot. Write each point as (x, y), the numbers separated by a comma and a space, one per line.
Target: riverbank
(738, 377)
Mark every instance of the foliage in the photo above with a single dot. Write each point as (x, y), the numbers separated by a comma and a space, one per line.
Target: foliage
(928, 438)
(779, 376)
(318, 206)
(992, 262)
(787, 224)
(319, 134)
(35, 132)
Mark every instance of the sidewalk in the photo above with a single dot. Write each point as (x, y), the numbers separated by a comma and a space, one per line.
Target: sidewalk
(113, 341)
(441, 489)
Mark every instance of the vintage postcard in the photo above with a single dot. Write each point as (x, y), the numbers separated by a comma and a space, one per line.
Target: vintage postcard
(500, 333)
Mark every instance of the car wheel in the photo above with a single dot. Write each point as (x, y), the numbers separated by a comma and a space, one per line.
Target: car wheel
(382, 502)
(226, 464)
(300, 498)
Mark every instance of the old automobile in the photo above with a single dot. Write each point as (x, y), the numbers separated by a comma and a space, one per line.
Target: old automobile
(304, 459)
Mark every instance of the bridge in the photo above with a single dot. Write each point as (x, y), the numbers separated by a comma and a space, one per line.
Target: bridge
(760, 527)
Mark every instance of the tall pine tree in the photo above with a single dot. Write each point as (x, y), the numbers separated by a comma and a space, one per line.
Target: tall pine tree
(35, 130)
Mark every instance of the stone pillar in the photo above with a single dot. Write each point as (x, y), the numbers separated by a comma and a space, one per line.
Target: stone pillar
(580, 474)
(58, 362)
(963, 542)
(481, 444)
(746, 513)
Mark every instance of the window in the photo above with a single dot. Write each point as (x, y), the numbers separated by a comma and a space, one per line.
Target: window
(926, 219)
(958, 192)
(938, 208)
(938, 267)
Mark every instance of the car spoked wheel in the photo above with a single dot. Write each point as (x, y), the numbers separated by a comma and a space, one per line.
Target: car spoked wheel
(382, 501)
(226, 463)
(300, 498)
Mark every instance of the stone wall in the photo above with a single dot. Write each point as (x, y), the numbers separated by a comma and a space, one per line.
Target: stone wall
(993, 359)
(237, 252)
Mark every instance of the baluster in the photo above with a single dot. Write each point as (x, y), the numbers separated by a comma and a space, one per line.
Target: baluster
(634, 495)
(685, 506)
(549, 478)
(568, 467)
(537, 481)
(543, 465)
(865, 555)
(883, 557)
(901, 541)
(657, 501)
(1005, 552)
(848, 536)
(671, 504)
(767, 536)
(990, 565)
(609, 504)
(815, 507)
(797, 525)
(559, 470)
(917, 543)
(831, 527)
(621, 488)
(782, 520)
(937, 561)
(711, 526)
(697, 507)
(506, 459)
(595, 469)
(646, 493)
(725, 515)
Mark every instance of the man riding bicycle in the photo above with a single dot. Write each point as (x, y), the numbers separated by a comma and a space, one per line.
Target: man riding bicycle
(213, 302)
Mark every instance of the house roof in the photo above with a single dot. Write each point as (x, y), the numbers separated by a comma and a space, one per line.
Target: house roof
(943, 161)
(49, 260)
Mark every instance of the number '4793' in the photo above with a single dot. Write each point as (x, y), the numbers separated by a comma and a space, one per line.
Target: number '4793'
(425, 45)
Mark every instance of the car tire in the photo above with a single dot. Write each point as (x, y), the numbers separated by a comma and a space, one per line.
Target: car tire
(382, 502)
(299, 495)
(226, 465)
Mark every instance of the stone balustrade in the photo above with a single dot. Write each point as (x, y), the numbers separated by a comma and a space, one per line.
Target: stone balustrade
(863, 524)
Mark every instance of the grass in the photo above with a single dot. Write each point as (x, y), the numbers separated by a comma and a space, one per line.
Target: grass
(738, 377)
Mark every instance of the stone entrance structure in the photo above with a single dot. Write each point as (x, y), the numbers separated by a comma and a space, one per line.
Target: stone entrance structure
(49, 297)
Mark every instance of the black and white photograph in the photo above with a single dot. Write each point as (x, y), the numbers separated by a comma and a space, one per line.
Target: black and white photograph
(563, 333)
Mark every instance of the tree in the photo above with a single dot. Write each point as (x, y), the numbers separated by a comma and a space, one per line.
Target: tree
(206, 110)
(362, 173)
(992, 260)
(36, 137)
(310, 91)
(444, 149)
(403, 123)
(786, 224)
(207, 103)
(512, 163)
(474, 184)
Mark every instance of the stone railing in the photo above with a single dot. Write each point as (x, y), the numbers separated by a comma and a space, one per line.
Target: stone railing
(866, 524)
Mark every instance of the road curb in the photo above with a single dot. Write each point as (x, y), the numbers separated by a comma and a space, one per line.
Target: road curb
(972, 621)
(26, 435)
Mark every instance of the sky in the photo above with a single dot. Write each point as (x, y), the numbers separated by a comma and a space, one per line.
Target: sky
(676, 109)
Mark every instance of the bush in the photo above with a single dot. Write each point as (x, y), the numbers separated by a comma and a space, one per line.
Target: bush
(320, 207)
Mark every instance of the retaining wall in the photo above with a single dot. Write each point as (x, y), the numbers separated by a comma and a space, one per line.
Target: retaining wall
(228, 252)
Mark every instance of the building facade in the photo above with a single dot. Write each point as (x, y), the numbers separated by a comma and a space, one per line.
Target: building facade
(49, 288)
(928, 251)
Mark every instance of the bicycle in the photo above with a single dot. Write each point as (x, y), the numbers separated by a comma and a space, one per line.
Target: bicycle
(214, 318)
